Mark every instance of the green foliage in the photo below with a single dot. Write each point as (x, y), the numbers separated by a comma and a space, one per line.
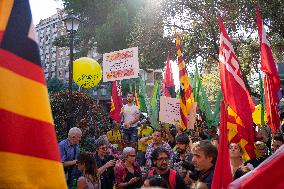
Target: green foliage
(87, 115)
(112, 35)
(55, 85)
(61, 41)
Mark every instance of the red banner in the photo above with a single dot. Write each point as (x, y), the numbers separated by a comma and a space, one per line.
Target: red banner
(271, 78)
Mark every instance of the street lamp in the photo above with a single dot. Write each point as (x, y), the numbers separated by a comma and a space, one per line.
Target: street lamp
(72, 24)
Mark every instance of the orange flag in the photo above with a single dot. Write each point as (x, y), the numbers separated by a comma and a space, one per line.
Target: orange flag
(29, 154)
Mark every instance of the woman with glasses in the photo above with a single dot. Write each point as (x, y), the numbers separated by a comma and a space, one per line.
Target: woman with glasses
(128, 173)
(105, 164)
(87, 165)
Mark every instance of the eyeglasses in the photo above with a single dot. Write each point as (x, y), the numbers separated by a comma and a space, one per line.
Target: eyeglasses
(132, 155)
(163, 159)
(103, 148)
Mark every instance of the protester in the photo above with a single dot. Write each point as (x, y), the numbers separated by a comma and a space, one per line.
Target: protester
(144, 139)
(157, 142)
(131, 115)
(115, 135)
(167, 135)
(261, 155)
(105, 164)
(278, 140)
(127, 172)
(160, 158)
(87, 165)
(155, 181)
(69, 152)
(204, 159)
(199, 185)
(182, 155)
(111, 148)
(235, 157)
(240, 172)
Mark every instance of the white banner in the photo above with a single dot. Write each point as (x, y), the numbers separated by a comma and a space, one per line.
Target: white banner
(169, 110)
(119, 65)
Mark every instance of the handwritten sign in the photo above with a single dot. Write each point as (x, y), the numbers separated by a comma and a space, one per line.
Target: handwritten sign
(119, 65)
(169, 110)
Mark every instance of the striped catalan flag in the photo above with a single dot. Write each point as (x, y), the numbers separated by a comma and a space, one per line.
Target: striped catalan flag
(29, 154)
(186, 94)
(137, 103)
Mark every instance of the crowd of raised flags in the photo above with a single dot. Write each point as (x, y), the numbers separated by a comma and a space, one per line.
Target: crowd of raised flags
(29, 155)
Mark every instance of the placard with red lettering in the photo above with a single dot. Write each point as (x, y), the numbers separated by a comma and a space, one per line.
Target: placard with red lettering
(119, 65)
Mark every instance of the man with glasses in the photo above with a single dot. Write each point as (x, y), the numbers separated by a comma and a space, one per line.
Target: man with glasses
(69, 151)
(160, 158)
(105, 164)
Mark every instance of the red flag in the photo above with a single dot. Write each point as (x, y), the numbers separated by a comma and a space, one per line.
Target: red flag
(222, 173)
(271, 78)
(116, 102)
(233, 87)
(269, 174)
(168, 81)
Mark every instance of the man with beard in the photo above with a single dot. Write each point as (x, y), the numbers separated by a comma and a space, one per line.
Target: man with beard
(204, 159)
(131, 116)
(160, 159)
(181, 160)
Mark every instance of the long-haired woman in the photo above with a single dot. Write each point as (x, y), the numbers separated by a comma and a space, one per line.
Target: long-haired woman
(87, 165)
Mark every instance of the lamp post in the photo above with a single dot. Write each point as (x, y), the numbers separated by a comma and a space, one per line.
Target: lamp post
(72, 24)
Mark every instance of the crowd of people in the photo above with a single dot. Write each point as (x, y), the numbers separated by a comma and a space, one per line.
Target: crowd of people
(134, 155)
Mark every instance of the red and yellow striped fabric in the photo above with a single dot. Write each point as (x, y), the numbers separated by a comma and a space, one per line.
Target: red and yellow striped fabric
(186, 94)
(137, 103)
(238, 133)
(29, 154)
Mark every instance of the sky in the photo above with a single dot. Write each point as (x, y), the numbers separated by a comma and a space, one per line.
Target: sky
(42, 9)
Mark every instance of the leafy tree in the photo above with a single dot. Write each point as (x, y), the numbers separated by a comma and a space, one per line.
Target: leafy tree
(55, 85)
(87, 115)
(148, 35)
(105, 24)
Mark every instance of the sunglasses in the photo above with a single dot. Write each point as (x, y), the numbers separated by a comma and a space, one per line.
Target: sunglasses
(132, 155)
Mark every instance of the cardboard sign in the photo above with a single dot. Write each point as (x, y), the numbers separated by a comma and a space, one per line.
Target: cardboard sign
(119, 65)
(169, 110)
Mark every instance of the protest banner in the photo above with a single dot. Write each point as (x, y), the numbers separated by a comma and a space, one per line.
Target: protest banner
(169, 110)
(119, 65)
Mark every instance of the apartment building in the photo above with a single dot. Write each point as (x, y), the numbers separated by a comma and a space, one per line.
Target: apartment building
(55, 60)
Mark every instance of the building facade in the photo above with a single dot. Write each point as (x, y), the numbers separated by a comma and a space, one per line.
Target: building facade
(55, 60)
